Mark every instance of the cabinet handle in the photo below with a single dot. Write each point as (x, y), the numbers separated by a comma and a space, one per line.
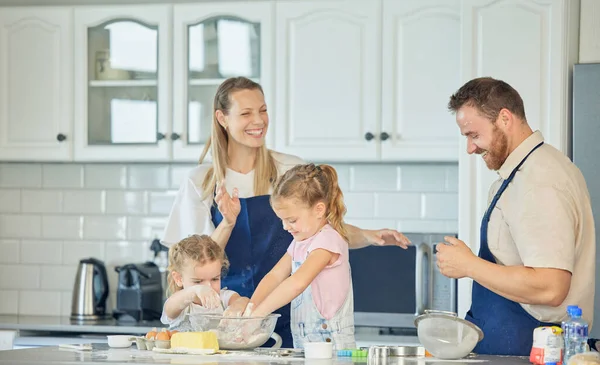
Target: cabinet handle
(369, 136)
(175, 136)
(160, 136)
(384, 136)
(61, 137)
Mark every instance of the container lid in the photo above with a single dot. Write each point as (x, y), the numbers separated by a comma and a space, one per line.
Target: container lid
(451, 316)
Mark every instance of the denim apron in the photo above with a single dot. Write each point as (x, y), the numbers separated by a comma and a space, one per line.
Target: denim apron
(309, 325)
(507, 327)
(257, 242)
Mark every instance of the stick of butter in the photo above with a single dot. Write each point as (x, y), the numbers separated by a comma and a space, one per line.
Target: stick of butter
(195, 340)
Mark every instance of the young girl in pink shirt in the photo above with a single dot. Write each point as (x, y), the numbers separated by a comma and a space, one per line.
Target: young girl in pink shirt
(314, 274)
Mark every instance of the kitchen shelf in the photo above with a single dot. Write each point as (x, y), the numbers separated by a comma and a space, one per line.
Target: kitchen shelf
(122, 83)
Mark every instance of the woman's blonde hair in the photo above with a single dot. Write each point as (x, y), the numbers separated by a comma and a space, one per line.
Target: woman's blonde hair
(197, 248)
(311, 184)
(265, 168)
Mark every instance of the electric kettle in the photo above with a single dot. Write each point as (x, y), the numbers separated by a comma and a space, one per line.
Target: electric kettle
(90, 291)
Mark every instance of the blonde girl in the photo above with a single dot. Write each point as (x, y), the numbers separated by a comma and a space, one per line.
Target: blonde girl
(310, 204)
(196, 265)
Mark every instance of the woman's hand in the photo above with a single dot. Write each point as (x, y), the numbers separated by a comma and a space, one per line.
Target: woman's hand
(237, 308)
(386, 237)
(205, 296)
(229, 205)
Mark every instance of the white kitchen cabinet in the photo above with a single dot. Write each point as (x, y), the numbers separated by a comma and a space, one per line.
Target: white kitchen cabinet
(36, 96)
(214, 41)
(327, 83)
(532, 45)
(123, 82)
(421, 69)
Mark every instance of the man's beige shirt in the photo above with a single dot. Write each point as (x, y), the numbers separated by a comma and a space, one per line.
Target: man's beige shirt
(544, 220)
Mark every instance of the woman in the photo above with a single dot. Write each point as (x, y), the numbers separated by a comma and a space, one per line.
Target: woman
(228, 198)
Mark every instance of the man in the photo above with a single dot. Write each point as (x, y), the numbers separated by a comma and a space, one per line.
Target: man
(537, 249)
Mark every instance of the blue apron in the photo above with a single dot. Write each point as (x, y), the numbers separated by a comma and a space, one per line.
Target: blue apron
(257, 242)
(507, 327)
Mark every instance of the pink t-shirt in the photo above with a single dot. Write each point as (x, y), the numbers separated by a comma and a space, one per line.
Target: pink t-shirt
(330, 287)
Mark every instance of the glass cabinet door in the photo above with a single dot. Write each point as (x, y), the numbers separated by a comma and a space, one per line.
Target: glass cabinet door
(212, 49)
(124, 93)
(218, 48)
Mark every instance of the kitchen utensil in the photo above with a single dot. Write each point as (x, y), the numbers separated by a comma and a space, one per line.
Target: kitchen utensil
(237, 333)
(445, 335)
(318, 350)
(89, 291)
(280, 352)
(407, 351)
(139, 292)
(119, 341)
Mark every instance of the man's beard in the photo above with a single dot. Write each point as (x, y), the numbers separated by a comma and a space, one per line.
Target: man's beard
(498, 151)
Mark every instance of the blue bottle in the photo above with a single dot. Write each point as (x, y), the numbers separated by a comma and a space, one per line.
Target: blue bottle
(576, 334)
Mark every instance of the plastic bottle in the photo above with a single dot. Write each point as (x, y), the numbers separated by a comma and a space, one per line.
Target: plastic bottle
(576, 335)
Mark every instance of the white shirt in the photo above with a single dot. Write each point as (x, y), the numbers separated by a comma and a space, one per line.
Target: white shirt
(544, 220)
(191, 215)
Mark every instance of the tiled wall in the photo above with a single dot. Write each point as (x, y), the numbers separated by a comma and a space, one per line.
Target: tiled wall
(52, 215)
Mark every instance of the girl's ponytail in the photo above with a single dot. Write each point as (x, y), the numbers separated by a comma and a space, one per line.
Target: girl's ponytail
(336, 209)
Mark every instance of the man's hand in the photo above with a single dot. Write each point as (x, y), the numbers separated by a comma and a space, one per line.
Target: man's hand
(455, 258)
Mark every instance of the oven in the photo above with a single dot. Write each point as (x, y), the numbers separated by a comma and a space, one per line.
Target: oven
(393, 286)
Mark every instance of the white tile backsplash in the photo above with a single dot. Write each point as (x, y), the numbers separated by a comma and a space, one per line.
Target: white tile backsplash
(20, 276)
(10, 251)
(148, 177)
(104, 228)
(84, 202)
(62, 176)
(10, 201)
(73, 251)
(422, 178)
(20, 226)
(39, 302)
(126, 202)
(398, 205)
(15, 175)
(53, 215)
(160, 203)
(41, 252)
(62, 226)
(41, 201)
(9, 301)
(105, 177)
(375, 178)
(58, 277)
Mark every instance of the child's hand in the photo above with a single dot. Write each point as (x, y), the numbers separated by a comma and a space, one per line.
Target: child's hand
(229, 205)
(205, 296)
(237, 308)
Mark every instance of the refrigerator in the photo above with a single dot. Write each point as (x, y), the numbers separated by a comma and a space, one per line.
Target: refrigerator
(586, 151)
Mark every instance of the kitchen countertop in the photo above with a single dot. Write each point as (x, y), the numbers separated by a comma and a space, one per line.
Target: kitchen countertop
(64, 324)
(364, 336)
(101, 354)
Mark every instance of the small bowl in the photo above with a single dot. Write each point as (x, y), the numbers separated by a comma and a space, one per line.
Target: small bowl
(318, 350)
(119, 341)
(446, 336)
(163, 344)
